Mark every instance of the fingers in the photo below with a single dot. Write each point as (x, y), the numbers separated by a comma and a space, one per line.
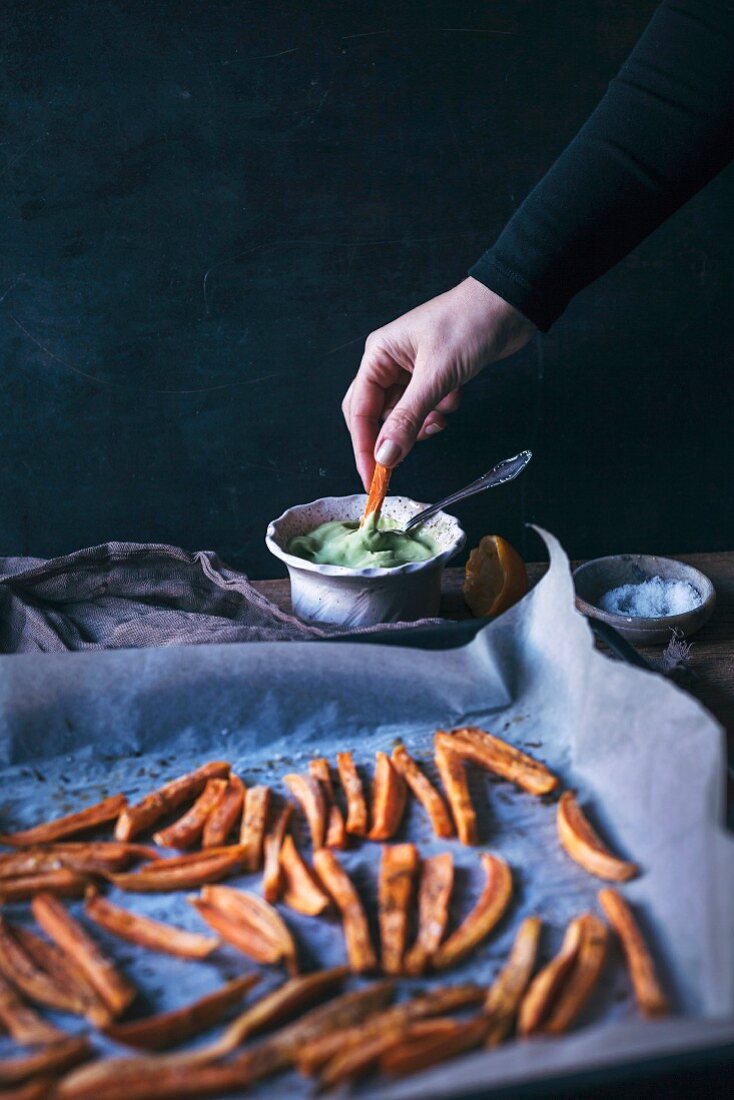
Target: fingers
(436, 421)
(379, 381)
(418, 414)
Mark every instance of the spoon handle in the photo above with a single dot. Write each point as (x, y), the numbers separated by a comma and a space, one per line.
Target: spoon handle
(504, 471)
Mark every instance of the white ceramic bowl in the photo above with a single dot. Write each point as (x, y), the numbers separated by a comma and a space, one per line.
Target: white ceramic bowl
(362, 597)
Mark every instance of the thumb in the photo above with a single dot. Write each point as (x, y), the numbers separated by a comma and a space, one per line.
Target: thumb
(400, 430)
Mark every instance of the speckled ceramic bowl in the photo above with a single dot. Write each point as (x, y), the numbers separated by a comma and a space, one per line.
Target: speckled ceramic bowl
(363, 597)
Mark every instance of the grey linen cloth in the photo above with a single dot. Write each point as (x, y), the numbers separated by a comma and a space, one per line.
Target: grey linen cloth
(127, 595)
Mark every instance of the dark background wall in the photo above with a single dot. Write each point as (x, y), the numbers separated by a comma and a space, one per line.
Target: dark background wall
(206, 206)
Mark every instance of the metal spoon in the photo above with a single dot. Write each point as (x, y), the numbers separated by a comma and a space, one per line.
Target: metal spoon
(504, 471)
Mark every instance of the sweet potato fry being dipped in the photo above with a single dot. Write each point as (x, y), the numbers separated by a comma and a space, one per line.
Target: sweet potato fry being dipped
(544, 987)
(388, 799)
(360, 952)
(62, 884)
(431, 1042)
(185, 832)
(81, 996)
(22, 1022)
(136, 819)
(398, 869)
(424, 791)
(69, 825)
(254, 824)
(508, 988)
(490, 907)
(225, 817)
(151, 934)
(357, 814)
(378, 491)
(184, 873)
(53, 1059)
(335, 832)
(169, 1029)
(585, 846)
(250, 924)
(503, 759)
(272, 845)
(309, 794)
(434, 897)
(301, 891)
(453, 776)
(651, 1000)
(114, 989)
(32, 980)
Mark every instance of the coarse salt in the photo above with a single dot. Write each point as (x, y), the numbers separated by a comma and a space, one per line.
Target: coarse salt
(651, 599)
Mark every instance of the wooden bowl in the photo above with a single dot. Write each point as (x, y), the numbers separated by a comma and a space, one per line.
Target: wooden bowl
(596, 577)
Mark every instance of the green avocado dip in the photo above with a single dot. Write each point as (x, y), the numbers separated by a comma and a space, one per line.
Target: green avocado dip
(369, 546)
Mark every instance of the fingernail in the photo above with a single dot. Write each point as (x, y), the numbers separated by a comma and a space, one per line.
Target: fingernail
(388, 453)
(432, 429)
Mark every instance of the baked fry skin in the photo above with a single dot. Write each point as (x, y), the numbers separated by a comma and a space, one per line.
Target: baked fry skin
(453, 776)
(225, 816)
(90, 857)
(256, 914)
(650, 998)
(65, 973)
(424, 791)
(62, 884)
(187, 830)
(585, 846)
(52, 1059)
(309, 794)
(582, 977)
(254, 824)
(434, 897)
(378, 491)
(357, 822)
(388, 799)
(498, 756)
(545, 986)
(424, 1046)
(164, 875)
(360, 952)
(68, 825)
(163, 800)
(22, 971)
(509, 986)
(272, 845)
(114, 989)
(398, 868)
(301, 891)
(21, 1021)
(151, 934)
(336, 836)
(245, 939)
(489, 909)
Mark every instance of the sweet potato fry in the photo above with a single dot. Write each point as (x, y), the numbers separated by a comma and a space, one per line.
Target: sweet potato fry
(81, 996)
(424, 791)
(62, 884)
(310, 796)
(503, 759)
(508, 988)
(388, 799)
(225, 816)
(247, 940)
(378, 491)
(336, 836)
(434, 897)
(22, 1022)
(357, 814)
(582, 977)
(431, 1042)
(39, 1088)
(173, 874)
(50, 1060)
(453, 776)
(114, 989)
(252, 912)
(543, 990)
(585, 846)
(84, 858)
(152, 934)
(19, 968)
(301, 891)
(271, 853)
(254, 823)
(398, 870)
(69, 825)
(651, 1000)
(169, 1029)
(488, 910)
(360, 952)
(187, 830)
(135, 819)
(143, 1081)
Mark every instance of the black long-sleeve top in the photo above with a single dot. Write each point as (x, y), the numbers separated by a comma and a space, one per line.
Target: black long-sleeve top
(664, 128)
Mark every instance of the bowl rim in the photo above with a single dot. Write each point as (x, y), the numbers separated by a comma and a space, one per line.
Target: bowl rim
(649, 623)
(295, 562)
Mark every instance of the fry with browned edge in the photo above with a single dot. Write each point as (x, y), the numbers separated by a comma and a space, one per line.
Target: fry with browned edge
(301, 891)
(425, 1045)
(82, 857)
(62, 884)
(114, 989)
(360, 952)
(169, 1029)
(453, 776)
(22, 1022)
(498, 756)
(68, 825)
(490, 907)
(146, 932)
(255, 917)
(309, 794)
(52, 1059)
(254, 824)
(182, 873)
(357, 822)
(135, 819)
(33, 981)
(543, 989)
(66, 975)
(187, 830)
(378, 491)
(336, 836)
(424, 791)
(388, 799)
(651, 1000)
(585, 846)
(398, 869)
(225, 817)
(582, 977)
(434, 898)
(272, 844)
(509, 986)
(39, 1088)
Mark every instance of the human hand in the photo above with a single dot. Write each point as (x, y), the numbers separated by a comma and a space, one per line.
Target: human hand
(413, 369)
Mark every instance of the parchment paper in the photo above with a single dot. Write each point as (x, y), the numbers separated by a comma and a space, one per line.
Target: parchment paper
(647, 760)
